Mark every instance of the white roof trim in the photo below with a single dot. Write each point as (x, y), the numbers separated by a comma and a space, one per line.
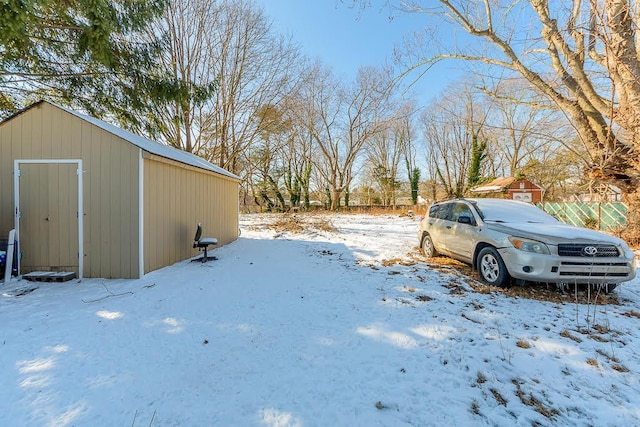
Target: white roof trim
(153, 147)
(487, 188)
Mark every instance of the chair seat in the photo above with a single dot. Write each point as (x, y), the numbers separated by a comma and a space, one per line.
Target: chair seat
(207, 241)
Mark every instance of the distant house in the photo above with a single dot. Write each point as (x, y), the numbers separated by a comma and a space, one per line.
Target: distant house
(511, 188)
(89, 197)
(601, 193)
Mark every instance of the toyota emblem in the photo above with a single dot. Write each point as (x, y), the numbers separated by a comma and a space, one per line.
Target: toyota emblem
(590, 250)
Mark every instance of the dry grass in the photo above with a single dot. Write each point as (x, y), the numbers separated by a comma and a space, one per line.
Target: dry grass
(531, 400)
(496, 394)
(592, 362)
(379, 210)
(296, 223)
(619, 368)
(598, 338)
(523, 344)
(288, 223)
(601, 329)
(540, 292)
(475, 305)
(567, 334)
(455, 288)
(396, 261)
(610, 358)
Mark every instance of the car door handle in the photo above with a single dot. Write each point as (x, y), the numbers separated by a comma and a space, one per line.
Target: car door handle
(449, 227)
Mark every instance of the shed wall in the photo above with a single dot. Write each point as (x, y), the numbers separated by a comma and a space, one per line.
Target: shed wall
(529, 187)
(110, 190)
(176, 198)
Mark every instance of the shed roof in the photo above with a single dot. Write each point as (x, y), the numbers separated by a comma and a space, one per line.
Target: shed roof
(497, 184)
(145, 144)
(500, 184)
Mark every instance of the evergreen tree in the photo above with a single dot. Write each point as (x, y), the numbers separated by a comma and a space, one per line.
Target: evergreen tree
(82, 52)
(414, 181)
(478, 154)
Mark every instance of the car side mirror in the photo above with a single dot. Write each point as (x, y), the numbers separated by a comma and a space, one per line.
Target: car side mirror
(464, 219)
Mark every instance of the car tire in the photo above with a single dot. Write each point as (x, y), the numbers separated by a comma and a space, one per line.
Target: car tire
(491, 268)
(427, 247)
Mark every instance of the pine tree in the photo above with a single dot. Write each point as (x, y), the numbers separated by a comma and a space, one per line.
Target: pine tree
(414, 181)
(478, 154)
(81, 52)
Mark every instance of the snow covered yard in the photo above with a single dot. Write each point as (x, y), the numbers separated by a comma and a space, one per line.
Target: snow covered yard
(336, 323)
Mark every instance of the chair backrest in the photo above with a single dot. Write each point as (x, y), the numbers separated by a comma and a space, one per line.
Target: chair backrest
(198, 233)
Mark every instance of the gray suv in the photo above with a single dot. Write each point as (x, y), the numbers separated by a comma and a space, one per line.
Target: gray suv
(505, 239)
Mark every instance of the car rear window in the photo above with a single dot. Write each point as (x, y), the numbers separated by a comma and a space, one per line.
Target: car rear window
(440, 211)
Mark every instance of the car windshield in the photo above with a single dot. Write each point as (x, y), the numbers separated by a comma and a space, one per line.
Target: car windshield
(494, 210)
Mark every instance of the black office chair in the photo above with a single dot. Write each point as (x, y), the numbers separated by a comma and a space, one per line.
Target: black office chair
(203, 243)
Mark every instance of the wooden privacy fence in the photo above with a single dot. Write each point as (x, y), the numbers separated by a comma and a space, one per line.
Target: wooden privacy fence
(606, 216)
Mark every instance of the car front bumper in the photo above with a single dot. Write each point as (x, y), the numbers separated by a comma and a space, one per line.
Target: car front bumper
(555, 269)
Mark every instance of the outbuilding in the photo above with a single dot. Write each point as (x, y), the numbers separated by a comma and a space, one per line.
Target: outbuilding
(88, 197)
(510, 187)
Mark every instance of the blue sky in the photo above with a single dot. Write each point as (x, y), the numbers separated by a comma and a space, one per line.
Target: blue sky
(346, 38)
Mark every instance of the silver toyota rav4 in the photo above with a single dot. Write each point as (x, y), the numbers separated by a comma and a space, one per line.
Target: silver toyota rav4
(505, 239)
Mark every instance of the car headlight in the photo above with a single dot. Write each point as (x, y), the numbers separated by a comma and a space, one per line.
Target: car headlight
(528, 245)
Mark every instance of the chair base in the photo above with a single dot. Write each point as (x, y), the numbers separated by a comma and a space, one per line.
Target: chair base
(205, 259)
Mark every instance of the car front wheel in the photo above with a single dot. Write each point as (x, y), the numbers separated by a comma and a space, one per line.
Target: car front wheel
(427, 247)
(491, 268)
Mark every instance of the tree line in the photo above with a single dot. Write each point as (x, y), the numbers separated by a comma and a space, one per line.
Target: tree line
(554, 98)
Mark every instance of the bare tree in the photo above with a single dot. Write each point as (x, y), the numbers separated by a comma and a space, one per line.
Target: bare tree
(581, 55)
(231, 64)
(519, 131)
(386, 151)
(254, 67)
(362, 117)
(557, 170)
(266, 165)
(298, 161)
(450, 127)
(341, 120)
(188, 59)
(383, 157)
(410, 156)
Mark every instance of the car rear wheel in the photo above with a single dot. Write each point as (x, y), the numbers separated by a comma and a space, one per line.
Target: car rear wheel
(427, 247)
(491, 268)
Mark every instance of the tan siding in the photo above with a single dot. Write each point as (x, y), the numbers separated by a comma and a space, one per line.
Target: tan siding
(113, 207)
(177, 197)
(66, 246)
(110, 194)
(92, 203)
(129, 167)
(34, 193)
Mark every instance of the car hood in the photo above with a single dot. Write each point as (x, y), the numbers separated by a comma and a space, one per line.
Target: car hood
(553, 233)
